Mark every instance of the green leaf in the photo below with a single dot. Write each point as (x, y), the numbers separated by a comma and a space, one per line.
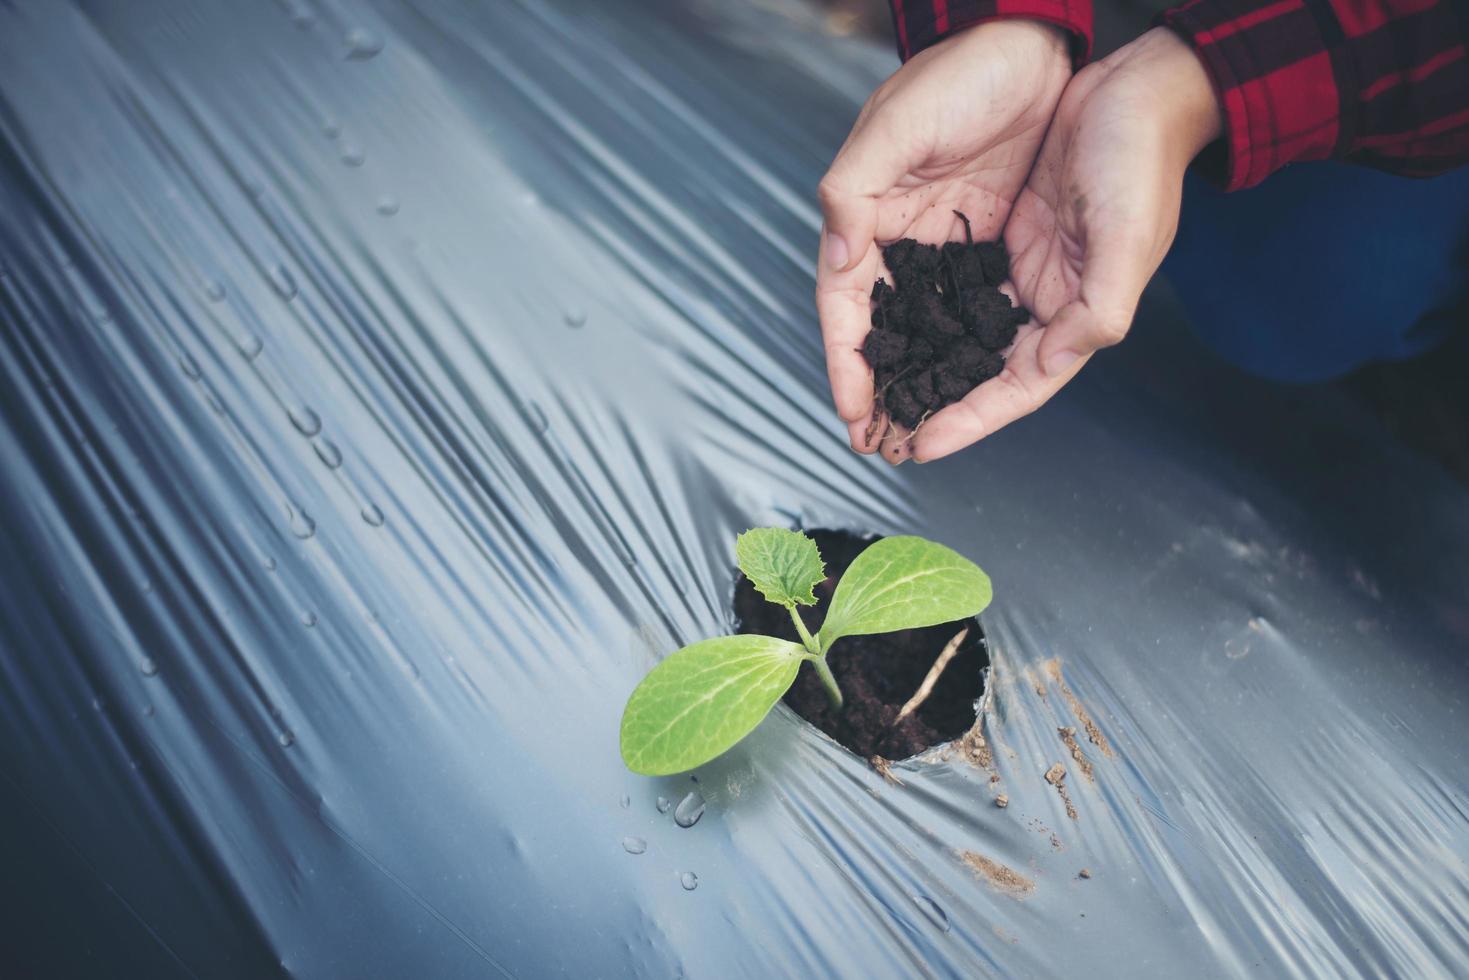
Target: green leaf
(903, 583)
(784, 565)
(703, 699)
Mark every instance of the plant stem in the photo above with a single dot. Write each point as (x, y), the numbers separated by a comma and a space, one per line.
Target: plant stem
(833, 693)
(818, 660)
(806, 639)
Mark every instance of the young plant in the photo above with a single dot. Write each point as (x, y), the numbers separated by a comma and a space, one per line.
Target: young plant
(701, 700)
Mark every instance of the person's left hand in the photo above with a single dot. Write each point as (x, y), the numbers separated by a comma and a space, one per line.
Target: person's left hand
(955, 129)
(1094, 221)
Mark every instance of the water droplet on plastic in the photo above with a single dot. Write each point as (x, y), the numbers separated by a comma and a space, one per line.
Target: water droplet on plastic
(362, 44)
(282, 281)
(353, 155)
(663, 804)
(387, 205)
(626, 801)
(372, 515)
(306, 421)
(148, 667)
(190, 367)
(249, 346)
(302, 526)
(286, 739)
(268, 563)
(215, 404)
(332, 129)
(327, 452)
(634, 845)
(690, 809)
(575, 318)
(147, 587)
(214, 290)
(689, 880)
(148, 710)
(308, 619)
(931, 909)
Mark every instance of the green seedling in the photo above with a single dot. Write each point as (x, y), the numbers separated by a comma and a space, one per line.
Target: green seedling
(704, 698)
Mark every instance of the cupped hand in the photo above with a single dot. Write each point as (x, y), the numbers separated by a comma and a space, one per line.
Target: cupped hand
(1091, 225)
(957, 128)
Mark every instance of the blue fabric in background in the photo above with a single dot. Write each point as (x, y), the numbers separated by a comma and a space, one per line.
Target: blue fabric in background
(1323, 268)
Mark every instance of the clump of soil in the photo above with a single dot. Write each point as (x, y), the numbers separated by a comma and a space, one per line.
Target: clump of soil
(941, 332)
(1002, 877)
(877, 674)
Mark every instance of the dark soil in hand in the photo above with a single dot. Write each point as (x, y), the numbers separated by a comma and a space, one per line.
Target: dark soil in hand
(939, 334)
(877, 674)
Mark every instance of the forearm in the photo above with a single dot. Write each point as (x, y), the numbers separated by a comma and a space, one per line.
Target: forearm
(918, 24)
(1379, 82)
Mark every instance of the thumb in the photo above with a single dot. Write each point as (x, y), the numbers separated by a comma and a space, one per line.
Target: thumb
(866, 167)
(1102, 312)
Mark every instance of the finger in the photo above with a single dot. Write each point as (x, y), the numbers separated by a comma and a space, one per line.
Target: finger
(844, 304)
(868, 166)
(897, 443)
(1015, 392)
(866, 434)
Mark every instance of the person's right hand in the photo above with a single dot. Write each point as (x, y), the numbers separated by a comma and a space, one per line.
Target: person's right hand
(955, 129)
(1095, 219)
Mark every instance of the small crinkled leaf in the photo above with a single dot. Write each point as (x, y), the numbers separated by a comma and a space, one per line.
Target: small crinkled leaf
(904, 583)
(703, 699)
(784, 565)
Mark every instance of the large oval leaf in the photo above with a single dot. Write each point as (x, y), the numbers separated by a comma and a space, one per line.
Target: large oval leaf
(703, 699)
(903, 583)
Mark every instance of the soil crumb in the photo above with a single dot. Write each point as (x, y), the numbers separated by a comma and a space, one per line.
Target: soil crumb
(879, 673)
(1002, 801)
(1001, 877)
(943, 330)
(1056, 776)
(1068, 735)
(975, 749)
(1084, 873)
(1093, 733)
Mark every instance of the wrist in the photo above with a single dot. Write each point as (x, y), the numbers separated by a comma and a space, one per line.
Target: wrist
(1190, 107)
(1028, 37)
(1051, 40)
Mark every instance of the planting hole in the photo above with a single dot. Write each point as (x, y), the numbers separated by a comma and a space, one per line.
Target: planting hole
(878, 674)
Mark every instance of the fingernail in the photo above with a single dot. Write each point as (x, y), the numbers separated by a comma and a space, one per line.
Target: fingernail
(836, 251)
(1057, 363)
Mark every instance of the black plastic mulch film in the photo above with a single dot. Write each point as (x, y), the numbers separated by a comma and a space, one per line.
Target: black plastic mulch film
(382, 387)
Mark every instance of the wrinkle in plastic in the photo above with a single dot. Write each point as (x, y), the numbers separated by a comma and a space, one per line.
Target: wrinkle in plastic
(381, 389)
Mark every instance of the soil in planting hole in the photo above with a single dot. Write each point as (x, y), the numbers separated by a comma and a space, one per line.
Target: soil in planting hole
(877, 674)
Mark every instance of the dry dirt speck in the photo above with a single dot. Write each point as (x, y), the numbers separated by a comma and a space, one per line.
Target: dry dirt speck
(999, 876)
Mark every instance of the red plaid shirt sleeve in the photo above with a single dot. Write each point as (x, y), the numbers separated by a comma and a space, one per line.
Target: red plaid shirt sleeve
(920, 23)
(1379, 82)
